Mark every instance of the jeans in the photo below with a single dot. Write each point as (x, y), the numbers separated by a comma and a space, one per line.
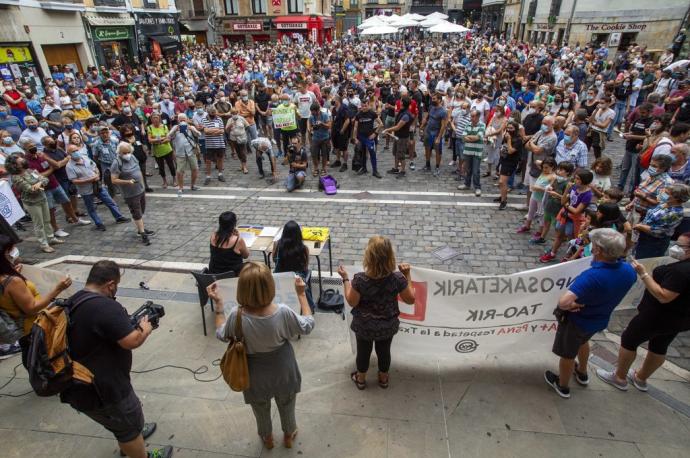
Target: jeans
(472, 163)
(630, 162)
(40, 217)
(459, 144)
(91, 206)
(620, 113)
(286, 409)
(370, 146)
(383, 354)
(252, 133)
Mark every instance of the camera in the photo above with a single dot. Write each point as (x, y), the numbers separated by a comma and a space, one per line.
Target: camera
(153, 311)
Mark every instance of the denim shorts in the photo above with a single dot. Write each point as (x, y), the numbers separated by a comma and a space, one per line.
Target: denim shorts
(56, 196)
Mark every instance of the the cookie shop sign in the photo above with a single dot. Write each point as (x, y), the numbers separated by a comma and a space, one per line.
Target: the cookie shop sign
(617, 27)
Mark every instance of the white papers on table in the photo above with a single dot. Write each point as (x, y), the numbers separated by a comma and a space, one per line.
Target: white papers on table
(248, 237)
(278, 235)
(269, 231)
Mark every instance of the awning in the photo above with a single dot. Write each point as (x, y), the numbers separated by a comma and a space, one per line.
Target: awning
(195, 26)
(166, 41)
(103, 21)
(303, 22)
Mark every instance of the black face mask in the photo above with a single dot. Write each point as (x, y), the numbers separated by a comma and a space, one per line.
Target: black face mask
(32, 150)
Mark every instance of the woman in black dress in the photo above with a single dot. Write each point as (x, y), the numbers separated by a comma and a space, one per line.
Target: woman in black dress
(373, 297)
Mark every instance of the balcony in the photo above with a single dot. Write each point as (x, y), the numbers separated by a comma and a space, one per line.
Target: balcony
(427, 3)
(110, 3)
(196, 14)
(371, 2)
(63, 5)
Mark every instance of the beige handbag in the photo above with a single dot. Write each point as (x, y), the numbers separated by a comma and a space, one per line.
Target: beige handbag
(234, 365)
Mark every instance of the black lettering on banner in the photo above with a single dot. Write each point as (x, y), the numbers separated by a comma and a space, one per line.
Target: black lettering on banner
(546, 281)
(471, 286)
(507, 285)
(520, 285)
(500, 285)
(532, 288)
(458, 285)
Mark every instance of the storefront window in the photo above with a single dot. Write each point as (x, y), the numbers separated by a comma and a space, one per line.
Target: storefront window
(259, 6)
(232, 7)
(295, 6)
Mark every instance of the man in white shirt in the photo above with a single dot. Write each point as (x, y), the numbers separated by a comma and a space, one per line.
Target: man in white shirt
(33, 132)
(303, 99)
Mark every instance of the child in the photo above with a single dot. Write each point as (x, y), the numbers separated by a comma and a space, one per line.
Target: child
(554, 194)
(538, 189)
(580, 246)
(601, 168)
(612, 195)
(569, 219)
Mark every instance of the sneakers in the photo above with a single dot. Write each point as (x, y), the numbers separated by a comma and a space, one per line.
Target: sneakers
(477, 192)
(145, 240)
(194, 188)
(147, 232)
(61, 233)
(537, 241)
(10, 352)
(547, 257)
(503, 205)
(376, 175)
(55, 241)
(335, 164)
(47, 249)
(179, 193)
(426, 168)
(207, 181)
(82, 222)
(122, 220)
(637, 383)
(496, 199)
(462, 187)
(552, 381)
(361, 171)
(163, 452)
(610, 378)
(343, 168)
(522, 230)
(400, 175)
(393, 171)
(412, 167)
(99, 227)
(221, 177)
(437, 172)
(582, 378)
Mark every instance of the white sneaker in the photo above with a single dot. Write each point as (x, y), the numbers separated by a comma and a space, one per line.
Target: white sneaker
(610, 378)
(462, 187)
(83, 222)
(61, 233)
(477, 192)
(640, 385)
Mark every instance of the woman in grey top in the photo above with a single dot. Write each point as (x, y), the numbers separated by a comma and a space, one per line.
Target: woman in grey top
(267, 328)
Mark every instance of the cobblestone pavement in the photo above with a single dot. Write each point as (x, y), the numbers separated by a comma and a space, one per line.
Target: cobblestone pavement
(420, 214)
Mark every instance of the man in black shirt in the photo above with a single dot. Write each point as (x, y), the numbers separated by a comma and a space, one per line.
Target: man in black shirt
(102, 338)
(261, 99)
(682, 113)
(633, 141)
(367, 123)
(389, 111)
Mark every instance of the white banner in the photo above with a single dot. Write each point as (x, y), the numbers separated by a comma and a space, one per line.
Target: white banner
(9, 206)
(285, 291)
(46, 279)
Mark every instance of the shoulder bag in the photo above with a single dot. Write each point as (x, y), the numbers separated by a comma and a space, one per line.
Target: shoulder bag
(234, 365)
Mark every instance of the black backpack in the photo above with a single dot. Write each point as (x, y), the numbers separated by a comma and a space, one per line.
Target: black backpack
(331, 300)
(359, 159)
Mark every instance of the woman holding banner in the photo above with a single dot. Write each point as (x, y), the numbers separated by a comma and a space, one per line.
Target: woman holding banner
(373, 296)
(662, 315)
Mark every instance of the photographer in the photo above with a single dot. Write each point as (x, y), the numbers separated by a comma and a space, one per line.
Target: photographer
(586, 307)
(297, 158)
(102, 338)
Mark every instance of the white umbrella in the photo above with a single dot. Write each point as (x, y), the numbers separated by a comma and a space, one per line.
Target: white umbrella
(678, 64)
(414, 16)
(373, 23)
(447, 27)
(405, 22)
(391, 18)
(380, 30)
(373, 19)
(438, 15)
(431, 21)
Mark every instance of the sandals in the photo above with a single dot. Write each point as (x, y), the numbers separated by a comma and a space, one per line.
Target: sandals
(360, 385)
(288, 439)
(323, 173)
(315, 173)
(383, 380)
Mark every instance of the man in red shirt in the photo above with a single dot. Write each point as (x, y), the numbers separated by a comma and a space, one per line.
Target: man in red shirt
(414, 110)
(90, 89)
(15, 100)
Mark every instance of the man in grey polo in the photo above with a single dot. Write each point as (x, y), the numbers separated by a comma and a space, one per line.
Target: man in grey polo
(126, 174)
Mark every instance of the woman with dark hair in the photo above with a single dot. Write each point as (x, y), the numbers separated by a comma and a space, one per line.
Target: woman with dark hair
(20, 298)
(228, 249)
(290, 254)
(510, 158)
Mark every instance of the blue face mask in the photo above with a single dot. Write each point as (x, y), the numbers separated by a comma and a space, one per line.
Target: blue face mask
(75, 156)
(69, 126)
(544, 128)
(567, 138)
(652, 171)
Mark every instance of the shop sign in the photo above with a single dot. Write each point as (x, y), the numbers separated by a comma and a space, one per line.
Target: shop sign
(111, 33)
(275, 6)
(291, 26)
(543, 26)
(617, 27)
(9, 55)
(155, 24)
(247, 26)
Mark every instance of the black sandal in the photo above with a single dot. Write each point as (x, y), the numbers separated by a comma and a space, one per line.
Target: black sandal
(360, 385)
(383, 384)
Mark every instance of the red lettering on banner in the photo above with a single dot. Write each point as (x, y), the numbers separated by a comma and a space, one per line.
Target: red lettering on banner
(419, 313)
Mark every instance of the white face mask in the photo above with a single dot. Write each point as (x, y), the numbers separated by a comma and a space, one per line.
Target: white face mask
(676, 252)
(13, 254)
(126, 157)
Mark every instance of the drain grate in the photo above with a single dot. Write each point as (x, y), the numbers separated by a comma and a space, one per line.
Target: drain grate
(363, 195)
(446, 253)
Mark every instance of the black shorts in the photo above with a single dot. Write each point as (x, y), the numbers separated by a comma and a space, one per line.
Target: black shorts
(656, 328)
(340, 141)
(213, 154)
(125, 418)
(508, 167)
(569, 339)
(302, 124)
(136, 205)
(320, 149)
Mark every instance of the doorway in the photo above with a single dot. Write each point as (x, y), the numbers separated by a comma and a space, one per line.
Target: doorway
(62, 55)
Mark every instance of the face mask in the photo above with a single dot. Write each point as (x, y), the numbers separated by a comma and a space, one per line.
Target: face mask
(597, 83)
(200, 111)
(286, 102)
(626, 84)
(126, 157)
(652, 171)
(501, 103)
(127, 111)
(69, 126)
(32, 150)
(3, 114)
(75, 156)
(544, 128)
(566, 104)
(7, 140)
(676, 252)
(245, 98)
(14, 254)
(524, 88)
(654, 126)
(567, 138)
(33, 127)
